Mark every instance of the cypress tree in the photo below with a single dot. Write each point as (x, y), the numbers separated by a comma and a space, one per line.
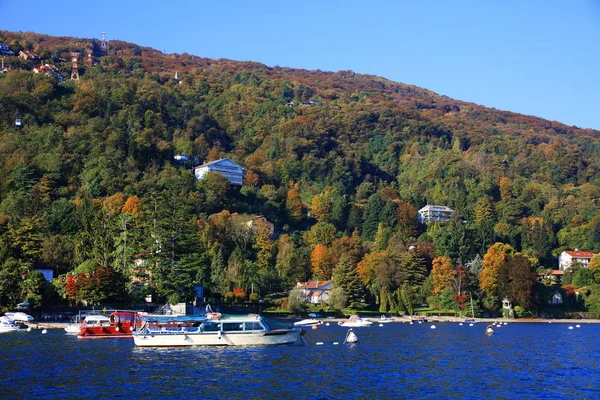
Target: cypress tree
(371, 216)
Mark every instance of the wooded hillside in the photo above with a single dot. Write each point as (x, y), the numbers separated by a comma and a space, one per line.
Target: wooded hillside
(339, 162)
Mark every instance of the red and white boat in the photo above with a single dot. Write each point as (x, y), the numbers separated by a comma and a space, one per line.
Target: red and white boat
(121, 324)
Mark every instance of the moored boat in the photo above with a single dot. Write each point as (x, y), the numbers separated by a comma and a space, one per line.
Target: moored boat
(247, 330)
(7, 325)
(306, 322)
(121, 324)
(385, 319)
(90, 320)
(355, 321)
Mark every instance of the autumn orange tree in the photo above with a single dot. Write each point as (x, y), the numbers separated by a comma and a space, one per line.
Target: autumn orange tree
(442, 274)
(493, 262)
(320, 259)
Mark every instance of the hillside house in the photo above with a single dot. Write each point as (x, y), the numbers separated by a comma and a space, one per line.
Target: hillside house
(230, 170)
(315, 291)
(570, 256)
(253, 222)
(433, 213)
(28, 55)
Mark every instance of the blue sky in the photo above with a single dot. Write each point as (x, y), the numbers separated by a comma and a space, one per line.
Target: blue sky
(533, 57)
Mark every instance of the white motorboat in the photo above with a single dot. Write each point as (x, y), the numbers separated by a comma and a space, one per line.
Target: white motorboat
(90, 320)
(355, 321)
(19, 316)
(247, 330)
(307, 322)
(7, 325)
(385, 320)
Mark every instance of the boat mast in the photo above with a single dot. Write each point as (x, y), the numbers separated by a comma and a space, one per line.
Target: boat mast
(472, 311)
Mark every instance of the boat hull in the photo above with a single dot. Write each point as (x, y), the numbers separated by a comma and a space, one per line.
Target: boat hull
(104, 331)
(149, 339)
(5, 329)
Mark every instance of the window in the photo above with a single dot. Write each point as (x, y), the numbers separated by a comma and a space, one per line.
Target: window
(253, 326)
(233, 326)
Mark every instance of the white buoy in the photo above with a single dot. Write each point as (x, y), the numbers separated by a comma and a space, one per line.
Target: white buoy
(334, 343)
(28, 329)
(319, 343)
(432, 326)
(549, 322)
(327, 324)
(506, 323)
(570, 327)
(460, 324)
(577, 326)
(470, 324)
(44, 331)
(411, 322)
(380, 324)
(351, 337)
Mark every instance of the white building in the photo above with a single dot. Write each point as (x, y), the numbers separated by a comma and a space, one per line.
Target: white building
(315, 291)
(569, 256)
(230, 170)
(435, 213)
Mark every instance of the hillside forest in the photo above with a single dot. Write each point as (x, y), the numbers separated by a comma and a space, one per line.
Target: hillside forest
(339, 162)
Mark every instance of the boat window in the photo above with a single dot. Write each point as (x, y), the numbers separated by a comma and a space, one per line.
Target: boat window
(209, 327)
(128, 318)
(253, 326)
(233, 326)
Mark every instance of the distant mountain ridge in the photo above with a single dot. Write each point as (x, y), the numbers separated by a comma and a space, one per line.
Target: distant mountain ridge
(423, 102)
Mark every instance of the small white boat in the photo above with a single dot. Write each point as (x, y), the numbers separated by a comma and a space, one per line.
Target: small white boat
(355, 321)
(19, 316)
(307, 322)
(247, 330)
(385, 320)
(90, 320)
(7, 325)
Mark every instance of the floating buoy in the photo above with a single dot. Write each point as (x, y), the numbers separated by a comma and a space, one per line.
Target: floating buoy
(570, 327)
(432, 326)
(460, 324)
(334, 343)
(380, 324)
(351, 337)
(470, 324)
(44, 331)
(577, 326)
(411, 322)
(549, 322)
(319, 343)
(327, 324)
(28, 329)
(506, 323)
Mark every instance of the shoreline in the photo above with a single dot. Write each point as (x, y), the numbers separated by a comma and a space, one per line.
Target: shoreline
(404, 319)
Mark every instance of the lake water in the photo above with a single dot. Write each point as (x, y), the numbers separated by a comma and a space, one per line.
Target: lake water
(393, 361)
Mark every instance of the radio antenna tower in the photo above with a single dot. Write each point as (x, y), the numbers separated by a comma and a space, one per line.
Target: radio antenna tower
(90, 59)
(75, 67)
(103, 45)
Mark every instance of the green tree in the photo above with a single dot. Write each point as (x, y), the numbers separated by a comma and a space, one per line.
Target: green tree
(346, 277)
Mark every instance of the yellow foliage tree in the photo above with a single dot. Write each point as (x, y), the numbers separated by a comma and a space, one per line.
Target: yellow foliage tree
(442, 274)
(493, 261)
(293, 205)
